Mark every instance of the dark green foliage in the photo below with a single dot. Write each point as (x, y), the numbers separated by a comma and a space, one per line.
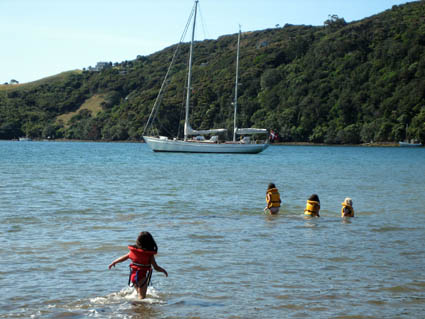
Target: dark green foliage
(340, 83)
(334, 22)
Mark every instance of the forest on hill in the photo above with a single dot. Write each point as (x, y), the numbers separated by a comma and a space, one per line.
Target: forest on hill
(338, 83)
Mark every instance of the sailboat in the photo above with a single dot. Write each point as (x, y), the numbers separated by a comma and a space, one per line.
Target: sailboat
(407, 143)
(199, 144)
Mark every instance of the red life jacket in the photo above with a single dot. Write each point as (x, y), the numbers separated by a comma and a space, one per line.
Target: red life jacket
(141, 257)
(141, 264)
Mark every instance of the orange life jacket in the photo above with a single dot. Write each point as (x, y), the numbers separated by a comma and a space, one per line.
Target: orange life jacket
(349, 208)
(312, 208)
(273, 198)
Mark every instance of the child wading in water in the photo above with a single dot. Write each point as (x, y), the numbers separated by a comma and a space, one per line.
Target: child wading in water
(143, 259)
(312, 206)
(347, 209)
(272, 199)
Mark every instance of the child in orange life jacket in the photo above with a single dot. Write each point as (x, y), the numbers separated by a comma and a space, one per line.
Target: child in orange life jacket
(272, 199)
(347, 208)
(312, 207)
(142, 257)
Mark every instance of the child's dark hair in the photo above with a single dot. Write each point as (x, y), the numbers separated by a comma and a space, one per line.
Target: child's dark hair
(314, 198)
(145, 241)
(271, 185)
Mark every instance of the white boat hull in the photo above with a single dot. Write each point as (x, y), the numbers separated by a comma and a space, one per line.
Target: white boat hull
(162, 145)
(407, 144)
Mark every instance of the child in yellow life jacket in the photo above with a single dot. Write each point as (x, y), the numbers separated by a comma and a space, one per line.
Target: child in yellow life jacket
(272, 199)
(142, 260)
(347, 208)
(312, 207)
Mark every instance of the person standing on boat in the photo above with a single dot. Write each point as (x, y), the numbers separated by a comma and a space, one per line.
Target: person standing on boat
(272, 199)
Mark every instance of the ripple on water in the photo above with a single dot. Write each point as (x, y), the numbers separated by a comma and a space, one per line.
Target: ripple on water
(401, 289)
(22, 220)
(376, 302)
(392, 229)
(205, 237)
(341, 259)
(14, 229)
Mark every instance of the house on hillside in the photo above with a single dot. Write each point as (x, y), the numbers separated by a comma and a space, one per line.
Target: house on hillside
(100, 66)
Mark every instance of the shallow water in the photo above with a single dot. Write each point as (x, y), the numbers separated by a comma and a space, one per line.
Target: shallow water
(68, 209)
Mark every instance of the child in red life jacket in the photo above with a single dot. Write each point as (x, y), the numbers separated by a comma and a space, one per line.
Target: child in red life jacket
(142, 260)
(272, 199)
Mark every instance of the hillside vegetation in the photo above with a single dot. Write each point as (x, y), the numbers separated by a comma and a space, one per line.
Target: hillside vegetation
(338, 83)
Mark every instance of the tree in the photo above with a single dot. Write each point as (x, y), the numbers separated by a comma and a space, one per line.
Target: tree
(334, 22)
(10, 130)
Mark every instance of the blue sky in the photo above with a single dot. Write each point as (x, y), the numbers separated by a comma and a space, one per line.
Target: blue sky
(40, 38)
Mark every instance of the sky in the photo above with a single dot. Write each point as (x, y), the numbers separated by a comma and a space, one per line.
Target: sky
(40, 38)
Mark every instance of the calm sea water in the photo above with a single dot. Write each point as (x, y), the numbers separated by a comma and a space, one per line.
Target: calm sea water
(68, 209)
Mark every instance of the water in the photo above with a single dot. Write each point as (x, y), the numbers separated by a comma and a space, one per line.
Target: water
(68, 209)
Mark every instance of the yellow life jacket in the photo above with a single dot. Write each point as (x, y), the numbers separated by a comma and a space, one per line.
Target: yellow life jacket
(351, 210)
(312, 208)
(273, 198)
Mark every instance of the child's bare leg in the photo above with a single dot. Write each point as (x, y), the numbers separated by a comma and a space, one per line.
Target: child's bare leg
(141, 291)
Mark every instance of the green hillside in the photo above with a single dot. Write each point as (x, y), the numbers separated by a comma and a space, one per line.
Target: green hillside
(339, 83)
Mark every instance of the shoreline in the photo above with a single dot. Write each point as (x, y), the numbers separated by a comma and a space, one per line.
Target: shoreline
(377, 144)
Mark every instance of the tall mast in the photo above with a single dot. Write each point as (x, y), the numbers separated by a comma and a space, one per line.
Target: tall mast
(236, 87)
(189, 75)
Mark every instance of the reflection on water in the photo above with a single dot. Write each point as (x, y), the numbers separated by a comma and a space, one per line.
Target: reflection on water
(68, 209)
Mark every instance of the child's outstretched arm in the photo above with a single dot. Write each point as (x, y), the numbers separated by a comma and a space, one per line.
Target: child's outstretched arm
(158, 268)
(119, 260)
